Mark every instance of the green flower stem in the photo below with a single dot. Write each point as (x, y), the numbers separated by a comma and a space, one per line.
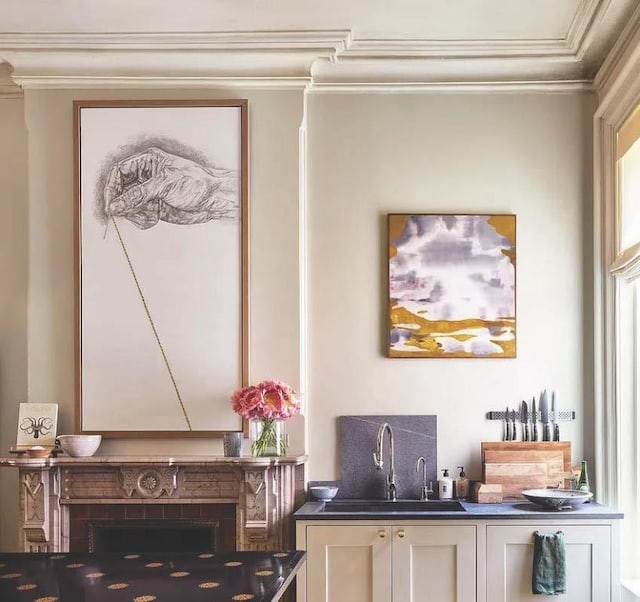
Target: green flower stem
(269, 443)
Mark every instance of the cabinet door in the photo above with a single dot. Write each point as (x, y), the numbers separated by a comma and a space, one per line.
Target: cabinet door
(434, 563)
(510, 563)
(348, 563)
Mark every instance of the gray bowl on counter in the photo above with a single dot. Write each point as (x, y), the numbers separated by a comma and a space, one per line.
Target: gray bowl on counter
(557, 499)
(323, 493)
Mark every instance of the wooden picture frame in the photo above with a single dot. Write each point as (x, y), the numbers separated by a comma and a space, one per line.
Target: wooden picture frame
(451, 286)
(161, 266)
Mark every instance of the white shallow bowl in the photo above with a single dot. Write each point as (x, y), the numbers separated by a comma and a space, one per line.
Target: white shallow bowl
(80, 446)
(557, 499)
(323, 493)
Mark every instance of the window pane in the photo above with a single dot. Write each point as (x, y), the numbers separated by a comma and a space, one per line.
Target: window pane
(630, 196)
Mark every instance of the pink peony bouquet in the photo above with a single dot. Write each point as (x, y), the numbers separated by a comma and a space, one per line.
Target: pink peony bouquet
(269, 399)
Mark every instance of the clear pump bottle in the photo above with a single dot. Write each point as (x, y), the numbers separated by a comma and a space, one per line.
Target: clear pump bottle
(462, 485)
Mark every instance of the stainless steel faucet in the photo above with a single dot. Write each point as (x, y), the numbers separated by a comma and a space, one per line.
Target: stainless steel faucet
(425, 491)
(391, 489)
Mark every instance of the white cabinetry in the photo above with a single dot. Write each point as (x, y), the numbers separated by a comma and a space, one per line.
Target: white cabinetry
(473, 560)
(510, 559)
(389, 562)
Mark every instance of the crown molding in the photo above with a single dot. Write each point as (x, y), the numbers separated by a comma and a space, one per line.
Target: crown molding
(438, 49)
(549, 86)
(579, 34)
(261, 59)
(569, 46)
(8, 88)
(614, 65)
(313, 39)
(311, 59)
(163, 81)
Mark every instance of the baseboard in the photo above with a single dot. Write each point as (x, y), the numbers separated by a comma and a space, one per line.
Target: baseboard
(631, 590)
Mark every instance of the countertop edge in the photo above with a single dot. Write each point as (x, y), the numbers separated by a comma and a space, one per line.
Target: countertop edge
(511, 510)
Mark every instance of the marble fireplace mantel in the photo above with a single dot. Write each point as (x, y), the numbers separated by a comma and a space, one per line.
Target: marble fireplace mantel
(264, 490)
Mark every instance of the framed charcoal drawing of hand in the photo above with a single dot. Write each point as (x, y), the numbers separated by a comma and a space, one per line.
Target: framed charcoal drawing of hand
(161, 266)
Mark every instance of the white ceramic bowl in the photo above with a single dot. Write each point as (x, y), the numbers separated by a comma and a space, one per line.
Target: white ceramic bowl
(79, 446)
(323, 493)
(557, 499)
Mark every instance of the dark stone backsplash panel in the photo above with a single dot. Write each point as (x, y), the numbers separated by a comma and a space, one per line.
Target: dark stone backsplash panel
(414, 436)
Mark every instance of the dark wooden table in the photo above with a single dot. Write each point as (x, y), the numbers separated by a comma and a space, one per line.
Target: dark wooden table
(228, 577)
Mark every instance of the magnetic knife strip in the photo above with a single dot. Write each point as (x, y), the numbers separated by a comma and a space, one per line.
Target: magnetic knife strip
(562, 415)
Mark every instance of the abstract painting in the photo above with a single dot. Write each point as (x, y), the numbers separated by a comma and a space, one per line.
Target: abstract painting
(452, 286)
(161, 225)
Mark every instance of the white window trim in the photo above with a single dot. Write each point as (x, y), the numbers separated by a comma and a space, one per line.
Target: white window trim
(622, 97)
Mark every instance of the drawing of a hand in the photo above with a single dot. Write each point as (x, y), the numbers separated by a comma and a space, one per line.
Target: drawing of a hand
(154, 186)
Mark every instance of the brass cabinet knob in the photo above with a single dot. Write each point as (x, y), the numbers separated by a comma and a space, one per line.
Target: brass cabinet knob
(382, 533)
(401, 533)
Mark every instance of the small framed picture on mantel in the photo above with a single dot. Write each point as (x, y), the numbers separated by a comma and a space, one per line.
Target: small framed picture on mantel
(37, 425)
(452, 286)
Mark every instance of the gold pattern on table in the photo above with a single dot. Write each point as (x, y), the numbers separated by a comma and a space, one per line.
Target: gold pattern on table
(94, 575)
(144, 599)
(179, 574)
(264, 573)
(233, 563)
(47, 599)
(75, 565)
(118, 586)
(10, 575)
(131, 556)
(153, 565)
(280, 555)
(26, 587)
(57, 557)
(208, 585)
(206, 555)
(243, 597)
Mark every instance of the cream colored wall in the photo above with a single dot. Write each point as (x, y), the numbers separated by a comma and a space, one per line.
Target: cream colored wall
(274, 347)
(368, 155)
(528, 154)
(13, 300)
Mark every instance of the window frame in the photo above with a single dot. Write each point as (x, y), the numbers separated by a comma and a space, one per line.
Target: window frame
(619, 99)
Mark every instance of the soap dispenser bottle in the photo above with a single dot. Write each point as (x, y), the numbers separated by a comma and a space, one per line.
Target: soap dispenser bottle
(462, 485)
(445, 486)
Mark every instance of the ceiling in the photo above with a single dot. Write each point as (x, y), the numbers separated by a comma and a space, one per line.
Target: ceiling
(398, 19)
(334, 43)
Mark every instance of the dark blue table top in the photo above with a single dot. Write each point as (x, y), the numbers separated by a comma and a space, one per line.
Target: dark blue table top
(234, 576)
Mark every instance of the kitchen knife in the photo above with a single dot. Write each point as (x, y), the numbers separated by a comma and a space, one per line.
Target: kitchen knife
(514, 432)
(524, 418)
(534, 421)
(507, 426)
(544, 415)
(554, 417)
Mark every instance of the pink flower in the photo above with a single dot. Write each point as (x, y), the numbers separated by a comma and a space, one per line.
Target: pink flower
(268, 399)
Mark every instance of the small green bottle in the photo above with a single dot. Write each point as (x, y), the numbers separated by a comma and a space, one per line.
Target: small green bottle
(583, 480)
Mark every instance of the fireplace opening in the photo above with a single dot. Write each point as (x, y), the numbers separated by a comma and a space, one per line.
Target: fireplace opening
(137, 528)
(153, 536)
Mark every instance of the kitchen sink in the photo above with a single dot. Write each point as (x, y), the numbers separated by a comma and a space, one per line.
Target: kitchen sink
(388, 507)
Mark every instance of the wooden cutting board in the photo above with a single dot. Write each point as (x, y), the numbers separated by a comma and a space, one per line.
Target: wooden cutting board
(518, 465)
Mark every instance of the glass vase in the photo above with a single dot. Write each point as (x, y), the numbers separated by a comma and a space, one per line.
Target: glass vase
(268, 437)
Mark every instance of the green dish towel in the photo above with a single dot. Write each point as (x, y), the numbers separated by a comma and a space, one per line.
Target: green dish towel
(549, 564)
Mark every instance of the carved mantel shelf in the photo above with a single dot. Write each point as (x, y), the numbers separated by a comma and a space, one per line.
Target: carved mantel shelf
(264, 490)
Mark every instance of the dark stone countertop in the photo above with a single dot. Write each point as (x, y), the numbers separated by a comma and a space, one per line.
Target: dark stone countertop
(210, 577)
(516, 510)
